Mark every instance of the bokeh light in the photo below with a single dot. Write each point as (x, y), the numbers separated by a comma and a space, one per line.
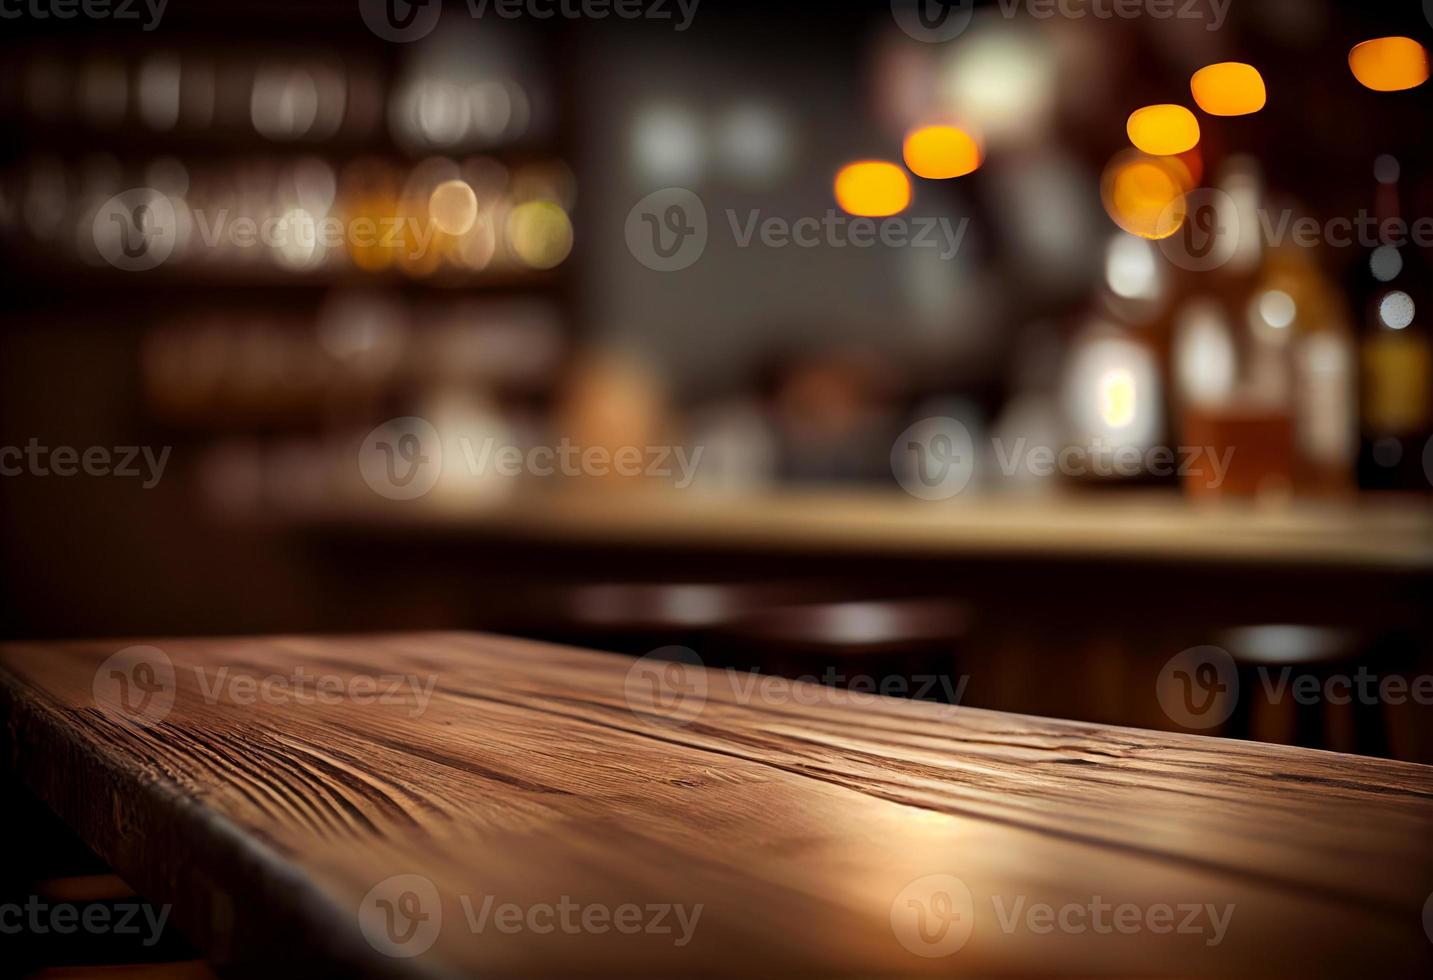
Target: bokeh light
(1206, 363)
(1132, 269)
(1277, 308)
(1163, 130)
(1396, 310)
(1112, 390)
(1385, 263)
(453, 207)
(1117, 398)
(941, 152)
(1389, 64)
(1144, 195)
(1230, 88)
(540, 234)
(753, 143)
(669, 144)
(1002, 80)
(872, 189)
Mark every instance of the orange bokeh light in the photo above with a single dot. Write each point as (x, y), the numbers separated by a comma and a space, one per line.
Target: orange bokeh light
(1144, 195)
(941, 152)
(1163, 130)
(872, 189)
(1389, 64)
(1230, 88)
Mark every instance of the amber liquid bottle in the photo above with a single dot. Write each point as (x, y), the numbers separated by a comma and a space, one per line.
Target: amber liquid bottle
(1232, 364)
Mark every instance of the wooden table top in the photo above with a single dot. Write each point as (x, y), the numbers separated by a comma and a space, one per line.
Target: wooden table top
(460, 804)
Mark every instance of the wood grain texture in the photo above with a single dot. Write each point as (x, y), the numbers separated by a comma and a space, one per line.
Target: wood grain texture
(538, 775)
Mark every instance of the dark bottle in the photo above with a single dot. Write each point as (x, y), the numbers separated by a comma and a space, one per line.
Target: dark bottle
(1396, 357)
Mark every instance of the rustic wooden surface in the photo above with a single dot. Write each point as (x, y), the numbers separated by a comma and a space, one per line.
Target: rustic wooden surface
(798, 820)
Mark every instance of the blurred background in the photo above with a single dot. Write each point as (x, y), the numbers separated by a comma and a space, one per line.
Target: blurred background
(864, 340)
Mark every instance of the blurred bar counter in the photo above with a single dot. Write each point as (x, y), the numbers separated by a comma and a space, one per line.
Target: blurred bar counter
(1077, 603)
(1383, 535)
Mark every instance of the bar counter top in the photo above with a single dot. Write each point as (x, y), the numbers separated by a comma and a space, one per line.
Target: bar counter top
(452, 804)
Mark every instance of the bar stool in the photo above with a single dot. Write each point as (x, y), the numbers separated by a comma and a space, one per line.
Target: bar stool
(903, 647)
(1272, 707)
(638, 617)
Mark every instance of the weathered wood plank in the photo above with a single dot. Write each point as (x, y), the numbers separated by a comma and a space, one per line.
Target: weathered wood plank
(539, 777)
